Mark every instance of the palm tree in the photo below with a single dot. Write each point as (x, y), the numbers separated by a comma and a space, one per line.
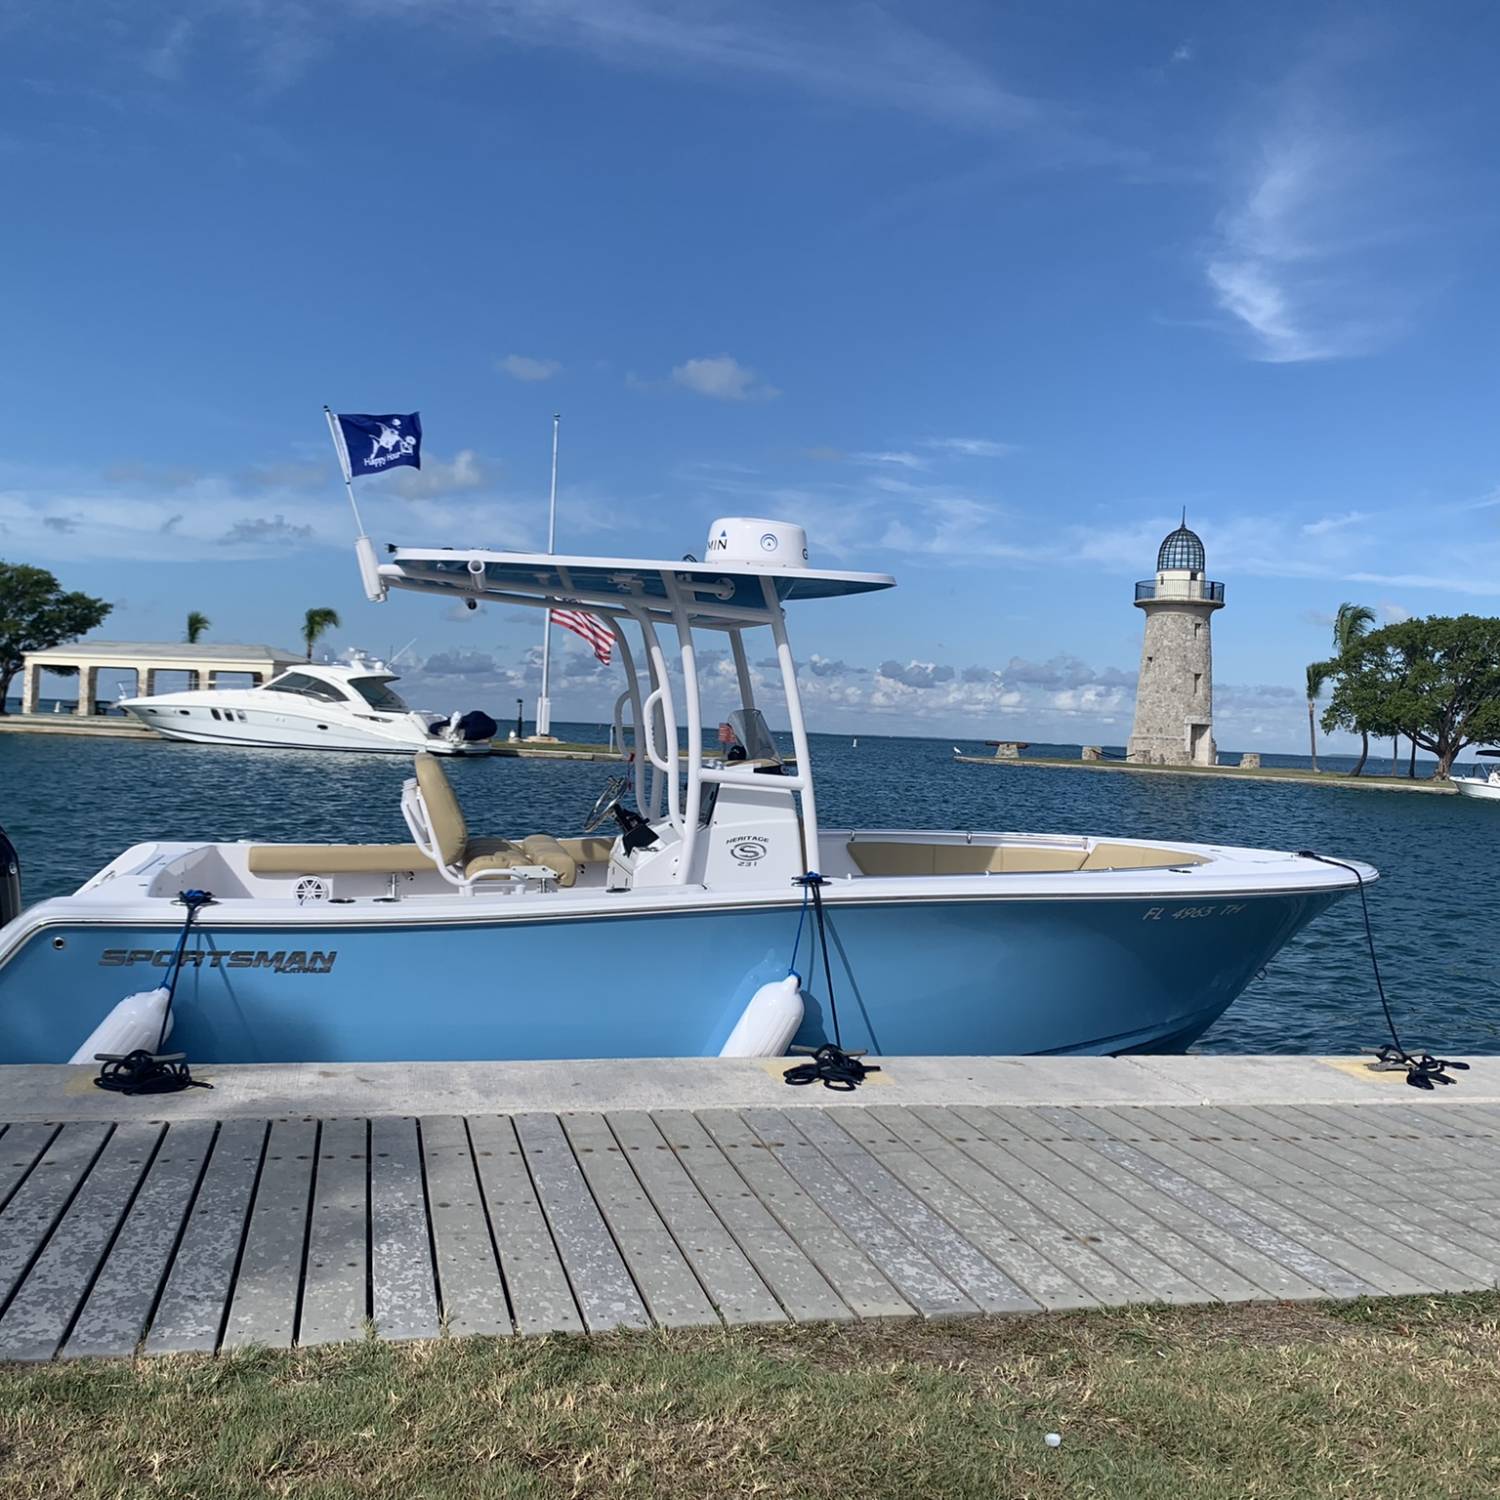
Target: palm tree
(316, 623)
(197, 623)
(1352, 622)
(1318, 672)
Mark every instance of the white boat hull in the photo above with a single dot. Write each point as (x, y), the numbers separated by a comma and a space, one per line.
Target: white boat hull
(1474, 786)
(261, 729)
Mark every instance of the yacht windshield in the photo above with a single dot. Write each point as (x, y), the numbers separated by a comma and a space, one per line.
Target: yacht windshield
(378, 695)
(305, 687)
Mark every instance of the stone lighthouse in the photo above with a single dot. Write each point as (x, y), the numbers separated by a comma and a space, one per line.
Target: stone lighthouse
(1174, 701)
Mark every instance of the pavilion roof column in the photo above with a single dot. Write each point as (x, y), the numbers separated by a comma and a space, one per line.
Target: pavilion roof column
(88, 687)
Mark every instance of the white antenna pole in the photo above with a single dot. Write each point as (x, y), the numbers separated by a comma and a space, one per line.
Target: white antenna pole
(543, 702)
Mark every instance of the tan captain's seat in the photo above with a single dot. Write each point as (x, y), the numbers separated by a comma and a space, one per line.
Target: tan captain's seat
(437, 824)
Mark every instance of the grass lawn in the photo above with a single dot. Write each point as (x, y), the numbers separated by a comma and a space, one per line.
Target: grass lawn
(1383, 1399)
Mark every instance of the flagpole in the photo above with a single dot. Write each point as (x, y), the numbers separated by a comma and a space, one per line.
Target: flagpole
(343, 453)
(544, 703)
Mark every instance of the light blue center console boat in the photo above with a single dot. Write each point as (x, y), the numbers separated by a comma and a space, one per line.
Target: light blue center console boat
(659, 934)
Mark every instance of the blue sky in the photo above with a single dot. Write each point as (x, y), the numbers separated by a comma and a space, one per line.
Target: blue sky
(982, 294)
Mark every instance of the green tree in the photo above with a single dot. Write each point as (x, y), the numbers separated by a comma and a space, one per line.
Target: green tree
(1436, 680)
(197, 623)
(1318, 673)
(1352, 623)
(317, 623)
(36, 613)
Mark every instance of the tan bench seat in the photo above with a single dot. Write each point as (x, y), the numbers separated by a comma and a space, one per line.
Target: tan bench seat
(401, 859)
(336, 859)
(889, 858)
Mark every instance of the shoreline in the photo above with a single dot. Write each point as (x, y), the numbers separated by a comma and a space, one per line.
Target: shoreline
(1233, 773)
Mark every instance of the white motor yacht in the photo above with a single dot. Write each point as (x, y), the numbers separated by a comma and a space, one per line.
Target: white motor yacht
(314, 706)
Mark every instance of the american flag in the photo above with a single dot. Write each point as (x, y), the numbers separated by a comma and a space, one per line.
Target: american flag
(591, 628)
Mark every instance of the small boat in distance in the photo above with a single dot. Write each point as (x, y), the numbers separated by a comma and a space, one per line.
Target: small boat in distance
(1480, 786)
(313, 706)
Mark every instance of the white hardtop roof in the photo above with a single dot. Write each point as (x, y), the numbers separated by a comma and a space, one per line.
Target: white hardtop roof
(546, 578)
(340, 668)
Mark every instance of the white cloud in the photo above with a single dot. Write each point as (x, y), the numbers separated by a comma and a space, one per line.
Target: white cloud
(1305, 258)
(862, 54)
(523, 367)
(1325, 524)
(165, 59)
(724, 378)
(900, 460)
(970, 447)
(1182, 53)
(438, 478)
(1393, 614)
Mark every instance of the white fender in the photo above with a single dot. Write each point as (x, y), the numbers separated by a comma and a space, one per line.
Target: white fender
(134, 1023)
(769, 1021)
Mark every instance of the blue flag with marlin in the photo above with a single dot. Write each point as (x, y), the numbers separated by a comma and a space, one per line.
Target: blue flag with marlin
(374, 444)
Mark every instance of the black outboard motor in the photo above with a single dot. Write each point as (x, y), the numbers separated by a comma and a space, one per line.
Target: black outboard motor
(476, 725)
(10, 881)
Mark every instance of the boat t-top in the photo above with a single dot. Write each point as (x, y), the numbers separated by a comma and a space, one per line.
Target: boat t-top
(314, 706)
(683, 917)
(1480, 786)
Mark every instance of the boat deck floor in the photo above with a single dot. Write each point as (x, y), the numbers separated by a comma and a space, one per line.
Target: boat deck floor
(167, 1225)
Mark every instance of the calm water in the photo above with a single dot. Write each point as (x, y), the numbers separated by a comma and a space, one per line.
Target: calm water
(70, 805)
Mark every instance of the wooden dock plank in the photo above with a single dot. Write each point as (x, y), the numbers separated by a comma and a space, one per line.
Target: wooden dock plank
(40, 1313)
(1388, 1157)
(403, 1285)
(1246, 1215)
(1037, 1211)
(968, 1159)
(1383, 1165)
(1147, 1251)
(606, 1296)
(1176, 1238)
(672, 1293)
(1414, 1246)
(20, 1147)
(1312, 1220)
(987, 1284)
(541, 1299)
(114, 1317)
(470, 1289)
(1270, 1279)
(336, 1282)
(733, 1285)
(263, 1306)
(911, 1270)
(954, 1186)
(859, 1282)
(39, 1201)
(191, 1311)
(798, 1285)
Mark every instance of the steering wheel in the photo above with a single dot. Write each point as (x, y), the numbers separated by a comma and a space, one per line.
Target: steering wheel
(609, 802)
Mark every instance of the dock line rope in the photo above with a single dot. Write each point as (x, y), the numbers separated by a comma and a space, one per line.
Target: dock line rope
(157, 1072)
(1423, 1070)
(830, 1065)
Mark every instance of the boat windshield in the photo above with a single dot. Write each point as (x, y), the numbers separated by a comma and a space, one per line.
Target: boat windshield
(305, 687)
(379, 695)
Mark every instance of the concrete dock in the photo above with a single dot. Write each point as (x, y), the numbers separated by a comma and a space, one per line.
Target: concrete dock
(318, 1203)
(1370, 782)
